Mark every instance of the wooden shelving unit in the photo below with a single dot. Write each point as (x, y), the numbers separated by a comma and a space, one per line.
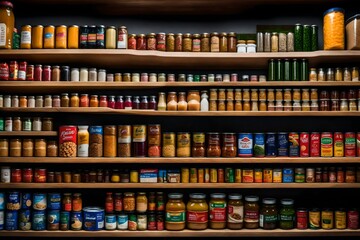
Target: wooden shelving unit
(29, 134)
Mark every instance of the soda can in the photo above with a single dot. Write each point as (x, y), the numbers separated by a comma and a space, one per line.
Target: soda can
(26, 201)
(259, 145)
(277, 175)
(238, 175)
(315, 144)
(353, 219)
(270, 144)
(283, 144)
(302, 218)
(258, 175)
(268, 175)
(338, 144)
(304, 144)
(350, 144)
(229, 175)
(24, 220)
(11, 220)
(288, 175)
(294, 143)
(245, 145)
(64, 221)
(340, 219)
(38, 220)
(314, 218)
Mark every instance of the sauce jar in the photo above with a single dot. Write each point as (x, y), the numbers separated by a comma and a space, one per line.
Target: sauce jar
(187, 42)
(198, 146)
(235, 212)
(287, 214)
(214, 42)
(268, 214)
(193, 99)
(205, 42)
(197, 215)
(217, 210)
(213, 148)
(15, 148)
(251, 212)
(229, 145)
(129, 202)
(175, 212)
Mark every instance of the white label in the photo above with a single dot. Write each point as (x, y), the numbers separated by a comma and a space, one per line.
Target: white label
(25, 37)
(5, 175)
(101, 224)
(22, 75)
(122, 41)
(261, 224)
(2, 34)
(235, 214)
(83, 150)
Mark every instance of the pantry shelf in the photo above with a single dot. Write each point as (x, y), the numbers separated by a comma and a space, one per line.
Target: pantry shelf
(176, 160)
(188, 233)
(104, 110)
(56, 87)
(132, 59)
(176, 185)
(30, 133)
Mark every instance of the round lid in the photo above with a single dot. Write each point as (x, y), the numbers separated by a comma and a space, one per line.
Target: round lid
(6, 4)
(336, 9)
(217, 195)
(269, 201)
(251, 198)
(235, 196)
(287, 202)
(352, 18)
(197, 195)
(83, 127)
(175, 195)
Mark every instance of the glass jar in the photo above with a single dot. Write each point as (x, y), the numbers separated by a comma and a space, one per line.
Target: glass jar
(94, 101)
(52, 149)
(161, 104)
(67, 202)
(4, 147)
(129, 202)
(141, 202)
(187, 42)
(214, 42)
(197, 215)
(251, 212)
(182, 103)
(274, 42)
(168, 144)
(183, 144)
(65, 100)
(193, 99)
(231, 37)
(139, 140)
(217, 210)
(154, 140)
(235, 212)
(246, 94)
(151, 41)
(171, 101)
(287, 214)
(175, 212)
(296, 95)
(223, 42)
(37, 124)
(170, 42)
(28, 148)
(205, 42)
(196, 42)
(213, 147)
(268, 214)
(15, 148)
(334, 29)
(77, 202)
(40, 148)
(198, 146)
(229, 145)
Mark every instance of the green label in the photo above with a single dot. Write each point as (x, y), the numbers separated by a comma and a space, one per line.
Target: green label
(326, 141)
(270, 218)
(286, 217)
(175, 216)
(217, 205)
(350, 140)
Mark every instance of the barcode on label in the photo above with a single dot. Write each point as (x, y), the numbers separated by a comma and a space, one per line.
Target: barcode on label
(2, 34)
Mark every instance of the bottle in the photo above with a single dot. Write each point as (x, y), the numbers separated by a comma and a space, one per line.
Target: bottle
(83, 141)
(162, 103)
(204, 103)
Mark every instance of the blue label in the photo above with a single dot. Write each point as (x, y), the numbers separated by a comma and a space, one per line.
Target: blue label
(13, 197)
(53, 217)
(2, 201)
(93, 220)
(24, 220)
(48, 35)
(38, 220)
(39, 201)
(26, 201)
(11, 220)
(54, 201)
(96, 130)
(245, 144)
(110, 219)
(122, 219)
(259, 145)
(270, 145)
(283, 144)
(288, 175)
(76, 220)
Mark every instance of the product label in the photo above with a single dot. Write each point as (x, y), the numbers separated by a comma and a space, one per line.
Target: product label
(175, 216)
(326, 147)
(197, 216)
(218, 212)
(22, 74)
(199, 138)
(2, 34)
(68, 134)
(245, 145)
(350, 145)
(266, 219)
(315, 145)
(91, 38)
(235, 214)
(122, 41)
(25, 37)
(196, 45)
(251, 216)
(139, 133)
(286, 217)
(304, 144)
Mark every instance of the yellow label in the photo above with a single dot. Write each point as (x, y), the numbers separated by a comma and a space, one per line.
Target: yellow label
(169, 139)
(327, 219)
(83, 138)
(340, 220)
(199, 138)
(139, 133)
(339, 149)
(183, 140)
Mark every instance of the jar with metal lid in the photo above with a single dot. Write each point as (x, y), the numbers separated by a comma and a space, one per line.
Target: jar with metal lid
(274, 42)
(334, 29)
(287, 214)
(4, 147)
(52, 149)
(23, 101)
(110, 37)
(205, 42)
(197, 215)
(15, 147)
(31, 102)
(196, 42)
(16, 124)
(223, 42)
(254, 95)
(246, 94)
(193, 99)
(168, 144)
(235, 212)
(214, 42)
(110, 146)
(213, 147)
(129, 202)
(65, 100)
(268, 214)
(231, 37)
(151, 41)
(141, 202)
(40, 148)
(175, 212)
(28, 148)
(251, 212)
(229, 145)
(36, 124)
(47, 124)
(187, 42)
(178, 42)
(170, 42)
(15, 101)
(183, 144)
(217, 211)
(27, 124)
(56, 102)
(198, 145)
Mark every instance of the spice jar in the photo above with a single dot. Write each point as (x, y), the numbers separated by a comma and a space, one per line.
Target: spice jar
(235, 212)
(217, 210)
(251, 212)
(268, 214)
(175, 212)
(198, 146)
(213, 147)
(197, 212)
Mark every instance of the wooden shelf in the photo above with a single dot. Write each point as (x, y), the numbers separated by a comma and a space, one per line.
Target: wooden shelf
(133, 59)
(103, 110)
(188, 233)
(30, 133)
(59, 87)
(174, 185)
(177, 160)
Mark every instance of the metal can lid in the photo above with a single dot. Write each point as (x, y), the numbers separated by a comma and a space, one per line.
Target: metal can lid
(269, 201)
(197, 195)
(217, 195)
(235, 196)
(175, 195)
(251, 198)
(336, 9)
(287, 202)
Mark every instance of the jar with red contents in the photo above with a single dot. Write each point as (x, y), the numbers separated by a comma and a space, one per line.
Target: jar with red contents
(136, 102)
(132, 41)
(213, 147)
(325, 105)
(118, 203)
(335, 106)
(144, 104)
(4, 71)
(27, 175)
(84, 100)
(38, 73)
(160, 42)
(154, 140)
(229, 145)
(151, 41)
(24, 72)
(111, 102)
(13, 70)
(139, 140)
(141, 42)
(46, 76)
(40, 175)
(152, 103)
(103, 101)
(128, 103)
(16, 176)
(119, 102)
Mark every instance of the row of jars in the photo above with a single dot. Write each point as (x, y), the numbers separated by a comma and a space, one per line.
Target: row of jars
(28, 147)
(338, 74)
(10, 124)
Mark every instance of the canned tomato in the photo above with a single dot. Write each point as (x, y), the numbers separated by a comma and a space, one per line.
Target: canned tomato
(288, 175)
(302, 219)
(350, 144)
(16, 175)
(54, 201)
(27, 175)
(326, 144)
(24, 220)
(40, 175)
(304, 144)
(64, 221)
(26, 201)
(259, 145)
(11, 220)
(294, 143)
(245, 145)
(314, 218)
(76, 221)
(13, 201)
(53, 220)
(67, 141)
(122, 222)
(277, 175)
(340, 219)
(258, 175)
(283, 144)
(248, 176)
(268, 175)
(38, 220)
(270, 144)
(315, 144)
(338, 144)
(353, 219)
(327, 219)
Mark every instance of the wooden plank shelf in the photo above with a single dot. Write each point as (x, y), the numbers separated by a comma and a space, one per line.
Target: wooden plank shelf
(177, 160)
(132, 59)
(188, 233)
(28, 134)
(175, 185)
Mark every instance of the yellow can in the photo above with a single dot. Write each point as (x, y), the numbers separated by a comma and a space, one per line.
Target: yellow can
(314, 218)
(268, 175)
(340, 219)
(49, 37)
(213, 175)
(327, 219)
(134, 176)
(258, 176)
(238, 175)
(73, 37)
(200, 175)
(193, 175)
(207, 175)
(61, 37)
(185, 175)
(37, 37)
(25, 37)
(248, 175)
(277, 176)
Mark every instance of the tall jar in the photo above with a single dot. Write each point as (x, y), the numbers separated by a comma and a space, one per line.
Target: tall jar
(175, 212)
(334, 29)
(197, 214)
(15, 148)
(235, 212)
(4, 147)
(214, 42)
(223, 42)
(182, 104)
(7, 18)
(40, 148)
(268, 214)
(287, 214)
(171, 101)
(213, 147)
(251, 212)
(198, 146)
(229, 145)
(139, 140)
(28, 148)
(124, 140)
(168, 141)
(187, 42)
(96, 141)
(217, 210)
(110, 146)
(183, 144)
(154, 140)
(205, 42)
(231, 37)
(193, 99)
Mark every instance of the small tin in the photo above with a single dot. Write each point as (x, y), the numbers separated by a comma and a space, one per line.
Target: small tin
(110, 222)
(13, 201)
(258, 175)
(53, 220)
(268, 175)
(26, 201)
(302, 218)
(270, 144)
(283, 144)
(314, 218)
(288, 175)
(64, 221)
(24, 220)
(39, 201)
(11, 220)
(76, 221)
(277, 175)
(327, 219)
(54, 201)
(38, 220)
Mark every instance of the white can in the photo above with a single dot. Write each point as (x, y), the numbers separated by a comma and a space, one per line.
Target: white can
(5, 174)
(83, 141)
(110, 222)
(123, 222)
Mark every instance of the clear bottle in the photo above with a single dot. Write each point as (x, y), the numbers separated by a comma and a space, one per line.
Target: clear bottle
(204, 103)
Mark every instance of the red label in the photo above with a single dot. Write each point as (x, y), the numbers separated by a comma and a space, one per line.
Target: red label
(132, 43)
(16, 175)
(160, 226)
(353, 220)
(304, 144)
(118, 205)
(358, 144)
(109, 207)
(315, 145)
(197, 217)
(218, 214)
(83, 38)
(29, 73)
(302, 220)
(67, 207)
(13, 70)
(251, 216)
(151, 226)
(4, 71)
(350, 144)
(27, 175)
(99, 37)
(67, 134)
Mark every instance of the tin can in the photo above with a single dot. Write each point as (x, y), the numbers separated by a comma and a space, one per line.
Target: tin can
(358, 144)
(207, 175)
(77, 221)
(213, 175)
(277, 175)
(185, 175)
(258, 175)
(248, 175)
(288, 175)
(4, 71)
(302, 218)
(270, 144)
(13, 70)
(26, 200)
(13, 201)
(350, 144)
(294, 143)
(27, 175)
(24, 220)
(64, 221)
(2, 219)
(53, 220)
(193, 175)
(132, 222)
(122, 222)
(299, 175)
(245, 145)
(5, 174)
(22, 73)
(67, 141)
(229, 175)
(11, 220)
(40, 175)
(338, 144)
(160, 221)
(201, 175)
(2, 201)
(94, 218)
(268, 175)
(353, 219)
(327, 219)
(304, 144)
(315, 144)
(39, 201)
(283, 144)
(310, 175)
(38, 220)
(238, 175)
(326, 144)
(100, 36)
(340, 219)
(151, 221)
(259, 145)
(110, 222)
(54, 201)
(221, 175)
(314, 218)
(84, 30)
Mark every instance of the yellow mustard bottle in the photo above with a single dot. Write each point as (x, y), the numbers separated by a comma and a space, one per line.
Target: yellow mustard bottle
(37, 37)
(73, 37)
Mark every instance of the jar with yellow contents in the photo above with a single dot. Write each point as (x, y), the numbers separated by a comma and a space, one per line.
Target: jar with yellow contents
(183, 144)
(197, 212)
(175, 212)
(168, 141)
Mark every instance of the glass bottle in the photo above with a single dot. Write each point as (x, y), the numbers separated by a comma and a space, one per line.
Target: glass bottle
(182, 103)
(204, 103)
(162, 103)
(152, 103)
(171, 102)
(287, 214)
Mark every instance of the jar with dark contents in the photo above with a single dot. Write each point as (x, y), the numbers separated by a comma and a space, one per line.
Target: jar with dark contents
(205, 42)
(268, 214)
(251, 212)
(223, 42)
(141, 42)
(178, 42)
(139, 140)
(213, 147)
(198, 145)
(231, 37)
(235, 212)
(229, 145)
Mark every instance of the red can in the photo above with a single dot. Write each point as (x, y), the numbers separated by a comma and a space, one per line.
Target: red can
(67, 141)
(304, 144)
(221, 176)
(46, 75)
(16, 175)
(38, 73)
(22, 73)
(353, 219)
(4, 71)
(27, 175)
(358, 144)
(40, 175)
(13, 72)
(302, 219)
(350, 144)
(30, 73)
(315, 144)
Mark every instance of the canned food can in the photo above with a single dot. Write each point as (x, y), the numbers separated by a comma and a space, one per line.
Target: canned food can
(340, 219)
(238, 175)
(16, 175)
(27, 175)
(229, 175)
(277, 176)
(159, 221)
(288, 175)
(132, 222)
(24, 220)
(299, 175)
(245, 145)
(40, 175)
(310, 175)
(76, 221)
(315, 144)
(193, 175)
(39, 201)
(67, 141)
(110, 222)
(11, 220)
(270, 144)
(141, 222)
(338, 144)
(2, 218)
(221, 175)
(64, 221)
(294, 143)
(259, 145)
(26, 200)
(122, 222)
(353, 219)
(2, 201)
(213, 175)
(248, 176)
(54, 201)
(13, 201)
(185, 175)
(327, 219)
(304, 144)
(151, 221)
(5, 174)
(258, 175)
(302, 219)
(314, 218)
(94, 218)
(283, 144)
(207, 175)
(326, 144)
(268, 175)
(358, 144)
(38, 220)
(53, 220)
(350, 144)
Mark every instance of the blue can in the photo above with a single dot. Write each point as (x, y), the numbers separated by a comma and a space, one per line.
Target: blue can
(259, 145)
(38, 220)
(54, 201)
(96, 130)
(245, 145)
(110, 222)
(13, 201)
(2, 201)
(270, 144)
(24, 220)
(162, 175)
(64, 221)
(283, 144)
(76, 221)
(53, 219)
(2, 217)
(288, 175)
(123, 222)
(26, 201)
(93, 218)
(11, 221)
(39, 201)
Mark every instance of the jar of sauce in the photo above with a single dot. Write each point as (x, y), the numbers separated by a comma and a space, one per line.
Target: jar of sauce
(175, 212)
(229, 145)
(268, 214)
(197, 215)
(172, 102)
(193, 99)
(213, 148)
(129, 202)
(217, 209)
(198, 146)
(139, 140)
(251, 212)
(287, 214)
(141, 202)
(235, 212)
